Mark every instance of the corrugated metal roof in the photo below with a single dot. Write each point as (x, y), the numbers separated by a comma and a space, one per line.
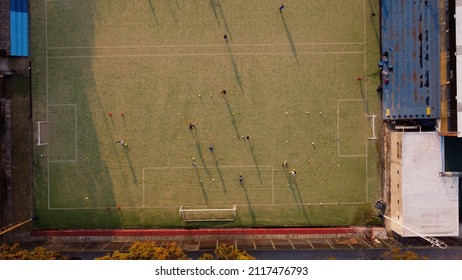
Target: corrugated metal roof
(410, 46)
(19, 28)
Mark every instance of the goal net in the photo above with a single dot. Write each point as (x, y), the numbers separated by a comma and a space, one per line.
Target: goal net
(42, 132)
(372, 120)
(208, 215)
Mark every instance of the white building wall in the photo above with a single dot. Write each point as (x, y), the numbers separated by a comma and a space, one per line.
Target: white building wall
(430, 203)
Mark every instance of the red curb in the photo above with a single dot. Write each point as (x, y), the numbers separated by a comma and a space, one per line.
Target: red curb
(197, 232)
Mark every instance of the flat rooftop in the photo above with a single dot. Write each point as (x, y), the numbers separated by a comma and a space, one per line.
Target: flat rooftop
(430, 203)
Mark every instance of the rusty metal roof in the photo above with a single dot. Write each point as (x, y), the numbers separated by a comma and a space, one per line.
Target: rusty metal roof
(410, 59)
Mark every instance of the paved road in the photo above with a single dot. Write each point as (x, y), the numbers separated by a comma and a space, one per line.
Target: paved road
(454, 253)
(375, 254)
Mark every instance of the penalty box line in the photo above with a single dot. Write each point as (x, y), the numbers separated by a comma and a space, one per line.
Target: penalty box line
(75, 133)
(175, 207)
(338, 127)
(49, 146)
(200, 46)
(202, 167)
(352, 156)
(200, 54)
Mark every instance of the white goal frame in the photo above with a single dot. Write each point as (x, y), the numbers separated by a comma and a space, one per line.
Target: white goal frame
(39, 133)
(372, 119)
(183, 213)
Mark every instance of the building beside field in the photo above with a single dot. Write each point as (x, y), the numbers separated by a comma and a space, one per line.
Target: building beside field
(410, 60)
(14, 74)
(456, 98)
(14, 28)
(422, 199)
(419, 76)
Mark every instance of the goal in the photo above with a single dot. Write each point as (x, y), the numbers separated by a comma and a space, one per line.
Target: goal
(42, 133)
(372, 119)
(208, 214)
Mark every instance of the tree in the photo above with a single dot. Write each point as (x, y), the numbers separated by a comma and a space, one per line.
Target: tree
(14, 252)
(227, 252)
(397, 254)
(148, 251)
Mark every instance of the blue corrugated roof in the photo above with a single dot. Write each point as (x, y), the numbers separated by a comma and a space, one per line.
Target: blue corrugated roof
(19, 28)
(410, 37)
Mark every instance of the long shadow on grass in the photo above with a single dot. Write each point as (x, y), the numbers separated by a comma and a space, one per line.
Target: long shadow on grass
(374, 26)
(252, 151)
(153, 11)
(132, 170)
(199, 151)
(292, 182)
(233, 120)
(291, 40)
(249, 204)
(217, 166)
(123, 119)
(121, 214)
(373, 6)
(204, 192)
(236, 71)
(363, 95)
(225, 22)
(214, 9)
(373, 20)
(95, 10)
(96, 125)
(172, 11)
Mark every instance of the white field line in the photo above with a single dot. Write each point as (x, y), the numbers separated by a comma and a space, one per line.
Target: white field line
(200, 54)
(351, 156)
(365, 93)
(46, 90)
(201, 167)
(200, 46)
(272, 185)
(75, 131)
(338, 126)
(309, 204)
(48, 148)
(192, 167)
(206, 54)
(62, 105)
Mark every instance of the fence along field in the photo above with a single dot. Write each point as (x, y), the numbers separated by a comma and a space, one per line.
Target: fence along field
(143, 72)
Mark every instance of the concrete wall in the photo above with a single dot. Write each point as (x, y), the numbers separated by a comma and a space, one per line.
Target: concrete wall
(396, 181)
(4, 25)
(424, 203)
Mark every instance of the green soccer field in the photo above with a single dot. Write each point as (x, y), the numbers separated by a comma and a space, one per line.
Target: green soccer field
(142, 71)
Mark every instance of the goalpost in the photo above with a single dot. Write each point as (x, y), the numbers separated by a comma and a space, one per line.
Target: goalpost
(208, 215)
(372, 119)
(42, 132)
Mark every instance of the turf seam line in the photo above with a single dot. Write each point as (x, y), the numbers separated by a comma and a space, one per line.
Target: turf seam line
(191, 167)
(365, 90)
(338, 127)
(75, 134)
(238, 205)
(200, 54)
(47, 102)
(201, 46)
